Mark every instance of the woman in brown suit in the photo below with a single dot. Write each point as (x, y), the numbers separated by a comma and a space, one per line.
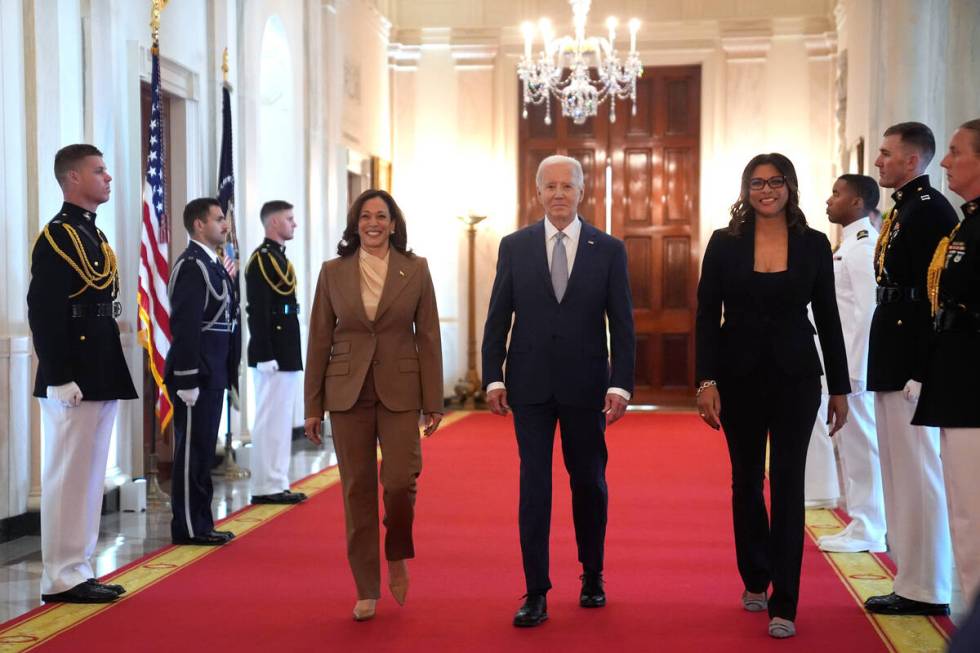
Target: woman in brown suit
(374, 362)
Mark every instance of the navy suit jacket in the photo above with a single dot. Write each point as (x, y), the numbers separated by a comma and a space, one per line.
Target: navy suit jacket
(558, 350)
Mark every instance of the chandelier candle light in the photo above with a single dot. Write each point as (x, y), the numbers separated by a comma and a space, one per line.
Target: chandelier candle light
(578, 91)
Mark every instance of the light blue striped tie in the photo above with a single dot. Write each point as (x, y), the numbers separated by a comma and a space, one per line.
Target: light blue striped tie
(559, 267)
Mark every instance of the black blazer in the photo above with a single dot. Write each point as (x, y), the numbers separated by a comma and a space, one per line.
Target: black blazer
(559, 349)
(273, 314)
(735, 349)
(951, 384)
(898, 348)
(73, 325)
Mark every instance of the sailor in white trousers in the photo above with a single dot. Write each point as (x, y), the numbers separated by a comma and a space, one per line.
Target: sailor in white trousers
(857, 442)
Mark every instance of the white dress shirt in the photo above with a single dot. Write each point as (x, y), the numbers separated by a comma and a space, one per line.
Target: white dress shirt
(572, 233)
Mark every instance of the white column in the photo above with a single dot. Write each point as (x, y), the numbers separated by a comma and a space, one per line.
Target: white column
(17, 442)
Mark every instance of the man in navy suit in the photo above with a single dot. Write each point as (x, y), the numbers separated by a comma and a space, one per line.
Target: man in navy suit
(561, 280)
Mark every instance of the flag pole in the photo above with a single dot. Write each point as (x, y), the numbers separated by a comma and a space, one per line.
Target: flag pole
(229, 468)
(156, 499)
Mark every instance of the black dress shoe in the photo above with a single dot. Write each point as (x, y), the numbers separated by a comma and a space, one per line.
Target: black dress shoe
(118, 590)
(534, 612)
(228, 535)
(893, 604)
(592, 596)
(208, 539)
(82, 593)
(284, 497)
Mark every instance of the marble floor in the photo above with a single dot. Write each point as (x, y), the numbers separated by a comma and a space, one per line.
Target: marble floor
(127, 536)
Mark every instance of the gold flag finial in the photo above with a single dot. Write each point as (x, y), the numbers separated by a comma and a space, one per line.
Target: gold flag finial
(224, 65)
(157, 8)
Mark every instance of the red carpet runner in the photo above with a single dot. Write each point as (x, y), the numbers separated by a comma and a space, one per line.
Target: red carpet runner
(670, 567)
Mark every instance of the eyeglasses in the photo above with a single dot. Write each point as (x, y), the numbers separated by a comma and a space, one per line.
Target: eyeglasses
(758, 183)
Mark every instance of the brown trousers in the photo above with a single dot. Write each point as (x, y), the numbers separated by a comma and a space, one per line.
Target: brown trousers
(356, 435)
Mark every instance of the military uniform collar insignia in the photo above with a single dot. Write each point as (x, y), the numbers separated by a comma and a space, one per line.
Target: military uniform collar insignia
(74, 211)
(268, 243)
(971, 207)
(916, 185)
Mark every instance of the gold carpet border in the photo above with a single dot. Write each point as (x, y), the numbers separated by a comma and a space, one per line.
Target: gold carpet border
(864, 575)
(36, 630)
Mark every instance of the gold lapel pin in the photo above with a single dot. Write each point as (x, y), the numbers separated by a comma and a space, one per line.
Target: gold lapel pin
(401, 272)
(592, 242)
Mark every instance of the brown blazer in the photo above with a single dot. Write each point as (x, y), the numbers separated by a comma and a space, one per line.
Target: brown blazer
(402, 343)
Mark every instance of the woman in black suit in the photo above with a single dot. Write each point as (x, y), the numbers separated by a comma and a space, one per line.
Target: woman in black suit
(759, 373)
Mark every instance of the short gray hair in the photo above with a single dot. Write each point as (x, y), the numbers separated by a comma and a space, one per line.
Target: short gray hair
(578, 177)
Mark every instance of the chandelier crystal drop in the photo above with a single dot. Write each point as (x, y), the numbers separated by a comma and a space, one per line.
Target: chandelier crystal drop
(579, 71)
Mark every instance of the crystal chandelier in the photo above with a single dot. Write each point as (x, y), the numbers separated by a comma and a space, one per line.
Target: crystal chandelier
(579, 92)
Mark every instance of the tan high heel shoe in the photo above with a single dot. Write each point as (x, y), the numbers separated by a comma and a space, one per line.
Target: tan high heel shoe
(364, 609)
(398, 580)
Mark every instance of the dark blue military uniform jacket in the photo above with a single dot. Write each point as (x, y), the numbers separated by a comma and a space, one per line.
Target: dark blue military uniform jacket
(206, 342)
(901, 326)
(73, 322)
(273, 314)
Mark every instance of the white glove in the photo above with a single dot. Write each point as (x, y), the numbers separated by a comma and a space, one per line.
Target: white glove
(189, 397)
(267, 366)
(912, 390)
(69, 394)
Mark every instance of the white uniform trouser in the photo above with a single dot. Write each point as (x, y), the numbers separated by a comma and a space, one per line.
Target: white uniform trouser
(820, 478)
(857, 442)
(75, 451)
(272, 432)
(915, 501)
(961, 453)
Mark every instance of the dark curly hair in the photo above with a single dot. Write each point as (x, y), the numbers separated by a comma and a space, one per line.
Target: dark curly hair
(742, 212)
(351, 240)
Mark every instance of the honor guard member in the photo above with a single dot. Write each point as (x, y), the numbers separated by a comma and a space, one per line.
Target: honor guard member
(850, 203)
(951, 386)
(202, 363)
(81, 375)
(911, 471)
(274, 353)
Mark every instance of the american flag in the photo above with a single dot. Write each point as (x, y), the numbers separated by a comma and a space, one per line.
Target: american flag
(154, 274)
(226, 187)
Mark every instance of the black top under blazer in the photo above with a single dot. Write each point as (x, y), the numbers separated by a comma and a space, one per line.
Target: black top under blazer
(753, 328)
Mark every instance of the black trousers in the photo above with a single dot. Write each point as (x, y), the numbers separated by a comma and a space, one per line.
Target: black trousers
(782, 409)
(583, 447)
(191, 487)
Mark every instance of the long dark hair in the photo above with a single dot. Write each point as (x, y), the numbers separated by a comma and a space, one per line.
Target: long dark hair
(351, 240)
(742, 212)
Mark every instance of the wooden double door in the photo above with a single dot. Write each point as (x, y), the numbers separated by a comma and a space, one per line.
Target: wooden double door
(642, 175)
